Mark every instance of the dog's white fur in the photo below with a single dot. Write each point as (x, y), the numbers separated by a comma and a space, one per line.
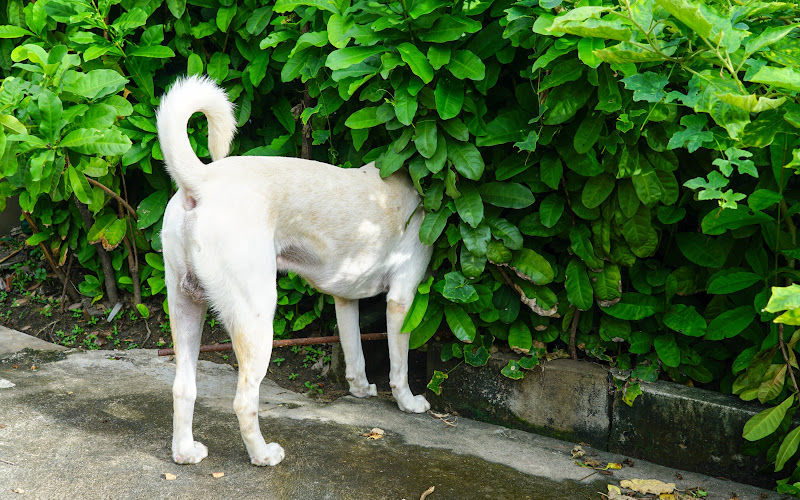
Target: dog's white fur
(233, 224)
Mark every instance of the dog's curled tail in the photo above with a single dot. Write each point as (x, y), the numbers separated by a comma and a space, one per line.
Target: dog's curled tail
(186, 97)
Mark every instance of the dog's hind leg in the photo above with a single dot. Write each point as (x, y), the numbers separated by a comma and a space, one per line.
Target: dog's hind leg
(398, 301)
(350, 336)
(186, 321)
(245, 298)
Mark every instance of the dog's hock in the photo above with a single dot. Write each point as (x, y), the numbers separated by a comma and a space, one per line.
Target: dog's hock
(191, 286)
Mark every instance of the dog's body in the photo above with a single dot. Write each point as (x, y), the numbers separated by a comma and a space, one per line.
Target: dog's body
(235, 223)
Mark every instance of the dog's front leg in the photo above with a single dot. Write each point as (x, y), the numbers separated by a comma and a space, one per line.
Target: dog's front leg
(398, 356)
(186, 321)
(350, 336)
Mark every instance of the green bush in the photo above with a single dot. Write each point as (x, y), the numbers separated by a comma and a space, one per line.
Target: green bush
(614, 178)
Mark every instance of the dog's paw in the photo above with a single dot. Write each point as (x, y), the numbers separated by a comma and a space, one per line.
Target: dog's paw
(364, 391)
(413, 404)
(191, 455)
(272, 455)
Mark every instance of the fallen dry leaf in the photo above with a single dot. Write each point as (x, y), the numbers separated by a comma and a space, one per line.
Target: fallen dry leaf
(614, 493)
(170, 477)
(375, 433)
(613, 465)
(33, 367)
(628, 462)
(591, 462)
(667, 496)
(217, 475)
(646, 486)
(2, 426)
(577, 452)
(18, 490)
(426, 493)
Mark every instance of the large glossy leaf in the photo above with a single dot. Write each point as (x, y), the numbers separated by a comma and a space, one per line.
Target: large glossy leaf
(460, 323)
(519, 337)
(416, 60)
(449, 97)
(579, 289)
(766, 422)
(466, 158)
(686, 320)
(506, 194)
(667, 349)
(469, 205)
(425, 137)
(730, 323)
(634, 306)
(465, 64)
(730, 282)
(350, 56)
(533, 267)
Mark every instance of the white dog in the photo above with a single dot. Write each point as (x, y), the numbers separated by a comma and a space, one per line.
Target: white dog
(233, 224)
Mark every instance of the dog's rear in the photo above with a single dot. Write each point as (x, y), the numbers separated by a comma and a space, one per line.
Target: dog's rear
(232, 223)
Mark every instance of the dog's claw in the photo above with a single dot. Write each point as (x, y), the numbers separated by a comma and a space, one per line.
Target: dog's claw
(414, 404)
(272, 456)
(364, 392)
(193, 455)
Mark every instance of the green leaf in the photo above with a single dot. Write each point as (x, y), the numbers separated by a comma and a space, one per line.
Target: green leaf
(405, 107)
(586, 48)
(533, 267)
(425, 137)
(416, 312)
(7, 31)
(519, 337)
(416, 60)
(50, 112)
(153, 51)
(365, 118)
(634, 306)
(151, 209)
(469, 205)
(90, 141)
(551, 170)
(219, 66)
(350, 56)
(96, 83)
(512, 370)
(579, 289)
(435, 384)
(225, 16)
(727, 282)
(465, 64)
(506, 231)
(448, 28)
(686, 320)
(667, 349)
(647, 86)
(460, 323)
(705, 22)
(466, 158)
(730, 323)
(587, 134)
(786, 78)
(702, 250)
(438, 56)
(433, 225)
(607, 283)
(475, 239)
(647, 186)
(427, 328)
(289, 5)
(338, 27)
(787, 449)
(507, 194)
(639, 233)
(766, 422)
(551, 209)
(783, 298)
(449, 97)
(597, 189)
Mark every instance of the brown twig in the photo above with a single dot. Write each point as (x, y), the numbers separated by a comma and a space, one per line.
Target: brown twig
(281, 343)
(573, 328)
(113, 195)
(133, 254)
(49, 258)
(426, 493)
(105, 260)
(782, 345)
(7, 462)
(66, 282)
(15, 252)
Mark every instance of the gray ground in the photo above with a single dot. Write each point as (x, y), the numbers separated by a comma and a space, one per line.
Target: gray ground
(98, 425)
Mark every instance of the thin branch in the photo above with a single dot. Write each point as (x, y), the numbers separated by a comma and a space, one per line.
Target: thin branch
(50, 260)
(782, 344)
(573, 352)
(113, 195)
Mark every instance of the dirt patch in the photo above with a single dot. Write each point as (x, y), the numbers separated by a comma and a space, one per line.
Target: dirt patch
(32, 301)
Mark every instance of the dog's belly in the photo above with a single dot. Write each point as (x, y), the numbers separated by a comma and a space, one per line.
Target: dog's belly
(346, 280)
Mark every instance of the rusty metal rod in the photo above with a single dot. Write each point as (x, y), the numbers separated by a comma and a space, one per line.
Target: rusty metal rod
(280, 343)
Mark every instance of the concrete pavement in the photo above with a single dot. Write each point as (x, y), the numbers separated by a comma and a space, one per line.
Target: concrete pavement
(98, 425)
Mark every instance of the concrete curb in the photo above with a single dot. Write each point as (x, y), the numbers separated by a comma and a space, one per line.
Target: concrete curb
(669, 424)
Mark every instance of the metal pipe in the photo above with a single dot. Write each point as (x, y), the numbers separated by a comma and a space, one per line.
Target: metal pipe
(280, 343)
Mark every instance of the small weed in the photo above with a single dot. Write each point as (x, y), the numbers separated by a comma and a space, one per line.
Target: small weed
(132, 346)
(47, 311)
(164, 326)
(225, 357)
(212, 322)
(295, 349)
(313, 387)
(93, 320)
(278, 361)
(77, 330)
(293, 376)
(90, 342)
(312, 355)
(3, 296)
(132, 315)
(77, 313)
